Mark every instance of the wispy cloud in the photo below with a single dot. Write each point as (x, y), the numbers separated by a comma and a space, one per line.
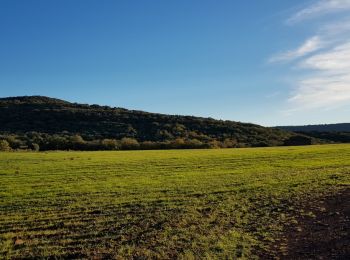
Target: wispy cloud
(334, 62)
(319, 8)
(329, 84)
(337, 28)
(310, 45)
(322, 92)
(324, 60)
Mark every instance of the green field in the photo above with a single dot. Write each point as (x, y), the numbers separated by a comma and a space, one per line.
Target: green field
(163, 204)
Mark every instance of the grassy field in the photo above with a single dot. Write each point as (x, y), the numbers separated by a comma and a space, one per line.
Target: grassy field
(164, 204)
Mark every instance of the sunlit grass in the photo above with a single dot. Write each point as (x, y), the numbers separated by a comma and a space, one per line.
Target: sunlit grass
(163, 204)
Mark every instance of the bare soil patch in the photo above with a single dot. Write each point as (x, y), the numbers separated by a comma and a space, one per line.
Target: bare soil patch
(325, 234)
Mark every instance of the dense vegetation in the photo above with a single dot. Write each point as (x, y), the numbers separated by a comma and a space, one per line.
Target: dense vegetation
(44, 123)
(329, 137)
(330, 133)
(185, 204)
(342, 127)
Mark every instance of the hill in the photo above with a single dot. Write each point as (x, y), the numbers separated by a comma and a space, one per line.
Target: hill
(336, 133)
(342, 127)
(57, 124)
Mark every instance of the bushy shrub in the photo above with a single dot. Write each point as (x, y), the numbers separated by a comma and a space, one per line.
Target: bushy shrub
(109, 144)
(4, 145)
(129, 143)
(35, 147)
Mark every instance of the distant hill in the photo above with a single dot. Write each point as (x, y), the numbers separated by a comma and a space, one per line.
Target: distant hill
(54, 124)
(337, 133)
(343, 127)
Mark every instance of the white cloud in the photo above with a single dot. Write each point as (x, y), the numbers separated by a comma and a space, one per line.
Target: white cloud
(320, 7)
(311, 45)
(335, 61)
(322, 93)
(329, 84)
(324, 60)
(328, 35)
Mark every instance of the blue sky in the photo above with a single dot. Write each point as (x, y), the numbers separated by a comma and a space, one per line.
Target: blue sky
(269, 62)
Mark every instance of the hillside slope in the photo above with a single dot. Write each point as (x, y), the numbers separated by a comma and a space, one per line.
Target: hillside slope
(335, 133)
(28, 116)
(342, 127)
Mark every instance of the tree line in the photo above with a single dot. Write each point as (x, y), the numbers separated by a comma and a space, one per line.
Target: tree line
(45, 142)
